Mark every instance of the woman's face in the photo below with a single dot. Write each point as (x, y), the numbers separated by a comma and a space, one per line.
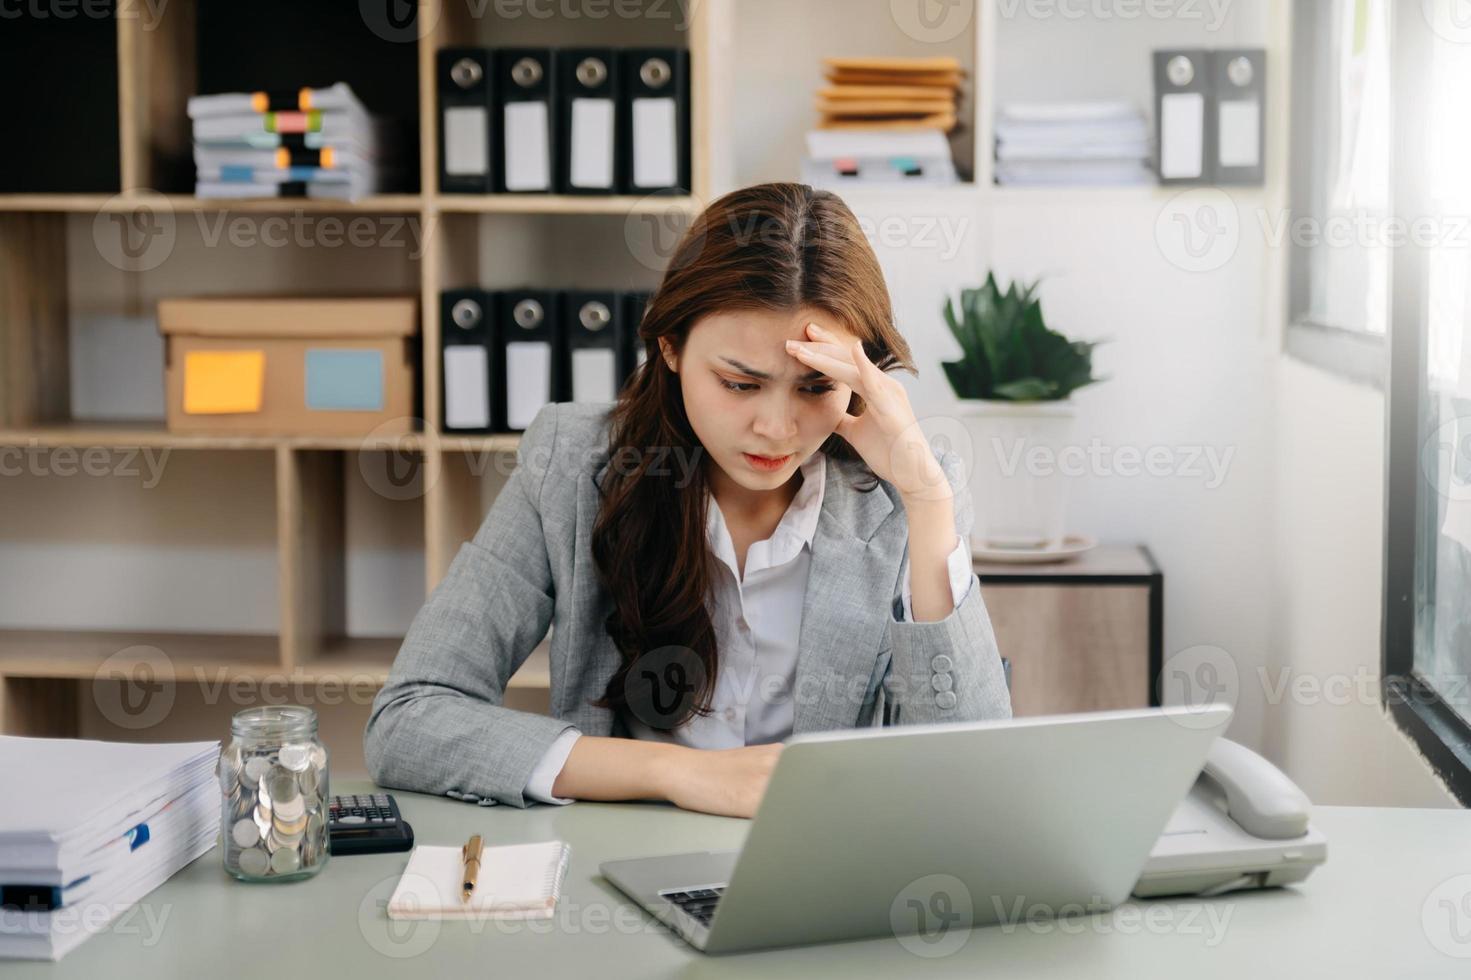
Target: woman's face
(745, 394)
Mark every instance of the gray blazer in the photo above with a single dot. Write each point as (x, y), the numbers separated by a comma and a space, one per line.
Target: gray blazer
(439, 724)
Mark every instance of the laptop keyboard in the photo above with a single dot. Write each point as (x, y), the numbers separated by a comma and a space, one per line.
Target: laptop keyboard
(698, 902)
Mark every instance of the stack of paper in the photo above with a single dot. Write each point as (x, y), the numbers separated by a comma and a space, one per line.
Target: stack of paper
(1076, 143)
(89, 828)
(313, 143)
(890, 94)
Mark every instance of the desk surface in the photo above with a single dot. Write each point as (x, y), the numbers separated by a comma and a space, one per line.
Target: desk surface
(1374, 910)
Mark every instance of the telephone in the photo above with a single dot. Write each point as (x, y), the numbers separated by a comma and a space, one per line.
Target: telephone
(1244, 824)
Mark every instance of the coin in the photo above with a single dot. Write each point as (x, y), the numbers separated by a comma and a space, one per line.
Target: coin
(285, 861)
(307, 779)
(319, 758)
(255, 861)
(282, 786)
(296, 756)
(245, 833)
(291, 812)
(289, 826)
(255, 767)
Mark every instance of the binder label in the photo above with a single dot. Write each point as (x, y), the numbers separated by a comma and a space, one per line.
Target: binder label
(466, 141)
(528, 161)
(466, 387)
(1182, 135)
(655, 143)
(592, 143)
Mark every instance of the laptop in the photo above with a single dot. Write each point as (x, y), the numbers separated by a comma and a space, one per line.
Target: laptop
(912, 829)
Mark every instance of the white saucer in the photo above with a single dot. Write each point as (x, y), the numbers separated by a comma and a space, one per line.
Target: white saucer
(1072, 545)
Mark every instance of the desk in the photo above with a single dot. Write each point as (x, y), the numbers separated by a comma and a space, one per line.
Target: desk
(1360, 915)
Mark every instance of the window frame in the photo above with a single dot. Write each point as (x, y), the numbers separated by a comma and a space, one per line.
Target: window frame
(1414, 705)
(1358, 356)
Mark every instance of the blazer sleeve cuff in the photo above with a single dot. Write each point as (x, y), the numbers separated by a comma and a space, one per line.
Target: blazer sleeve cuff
(544, 776)
(948, 669)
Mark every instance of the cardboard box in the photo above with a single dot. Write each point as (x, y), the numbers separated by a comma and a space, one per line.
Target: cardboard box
(291, 367)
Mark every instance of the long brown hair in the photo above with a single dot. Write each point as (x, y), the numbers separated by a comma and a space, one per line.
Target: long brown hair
(774, 247)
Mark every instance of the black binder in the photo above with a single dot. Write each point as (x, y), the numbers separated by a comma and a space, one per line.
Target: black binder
(525, 97)
(470, 361)
(656, 117)
(589, 130)
(1238, 115)
(593, 342)
(1184, 96)
(530, 351)
(467, 131)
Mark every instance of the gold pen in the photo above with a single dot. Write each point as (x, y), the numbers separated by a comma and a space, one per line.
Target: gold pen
(471, 853)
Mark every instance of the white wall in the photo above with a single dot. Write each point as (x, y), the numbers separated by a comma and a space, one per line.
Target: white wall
(1326, 728)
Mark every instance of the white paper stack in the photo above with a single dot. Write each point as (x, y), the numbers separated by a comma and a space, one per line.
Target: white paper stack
(1072, 143)
(89, 828)
(323, 144)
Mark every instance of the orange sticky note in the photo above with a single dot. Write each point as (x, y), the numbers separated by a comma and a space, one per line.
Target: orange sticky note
(223, 381)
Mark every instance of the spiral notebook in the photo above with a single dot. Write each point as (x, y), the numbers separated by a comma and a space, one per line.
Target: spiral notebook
(517, 881)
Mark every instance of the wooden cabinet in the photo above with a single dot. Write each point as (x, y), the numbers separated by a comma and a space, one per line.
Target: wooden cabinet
(1082, 635)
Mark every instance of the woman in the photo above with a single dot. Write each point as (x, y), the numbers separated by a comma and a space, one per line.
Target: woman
(754, 540)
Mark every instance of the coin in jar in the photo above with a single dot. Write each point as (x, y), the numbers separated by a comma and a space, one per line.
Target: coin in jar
(255, 861)
(285, 861)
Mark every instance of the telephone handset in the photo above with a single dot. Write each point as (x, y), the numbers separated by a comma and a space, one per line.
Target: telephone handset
(1244, 824)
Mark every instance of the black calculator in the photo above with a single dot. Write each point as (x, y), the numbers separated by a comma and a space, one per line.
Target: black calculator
(367, 824)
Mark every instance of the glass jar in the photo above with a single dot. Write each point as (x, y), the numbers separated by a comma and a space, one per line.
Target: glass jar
(273, 783)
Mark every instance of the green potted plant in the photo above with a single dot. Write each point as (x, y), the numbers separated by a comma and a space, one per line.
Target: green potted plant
(1015, 380)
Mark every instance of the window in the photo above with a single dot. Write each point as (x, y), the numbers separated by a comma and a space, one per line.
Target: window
(1427, 642)
(1340, 228)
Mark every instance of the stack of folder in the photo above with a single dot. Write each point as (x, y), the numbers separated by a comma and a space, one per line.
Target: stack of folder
(310, 143)
(1072, 143)
(892, 94)
(87, 829)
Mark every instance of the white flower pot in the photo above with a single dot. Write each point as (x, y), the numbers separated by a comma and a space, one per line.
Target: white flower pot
(1020, 494)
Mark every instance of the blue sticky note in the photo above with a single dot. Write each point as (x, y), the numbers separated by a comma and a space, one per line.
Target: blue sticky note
(344, 380)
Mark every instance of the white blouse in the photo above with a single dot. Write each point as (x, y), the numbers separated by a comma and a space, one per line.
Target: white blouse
(752, 702)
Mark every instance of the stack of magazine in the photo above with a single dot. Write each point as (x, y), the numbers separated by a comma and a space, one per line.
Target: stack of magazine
(310, 143)
(87, 829)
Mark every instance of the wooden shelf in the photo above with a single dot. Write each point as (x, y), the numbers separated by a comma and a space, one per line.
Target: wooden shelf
(153, 435)
(565, 204)
(213, 658)
(506, 443)
(93, 203)
(81, 654)
(328, 515)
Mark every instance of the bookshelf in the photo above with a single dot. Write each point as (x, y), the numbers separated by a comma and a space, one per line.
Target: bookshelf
(287, 513)
(294, 547)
